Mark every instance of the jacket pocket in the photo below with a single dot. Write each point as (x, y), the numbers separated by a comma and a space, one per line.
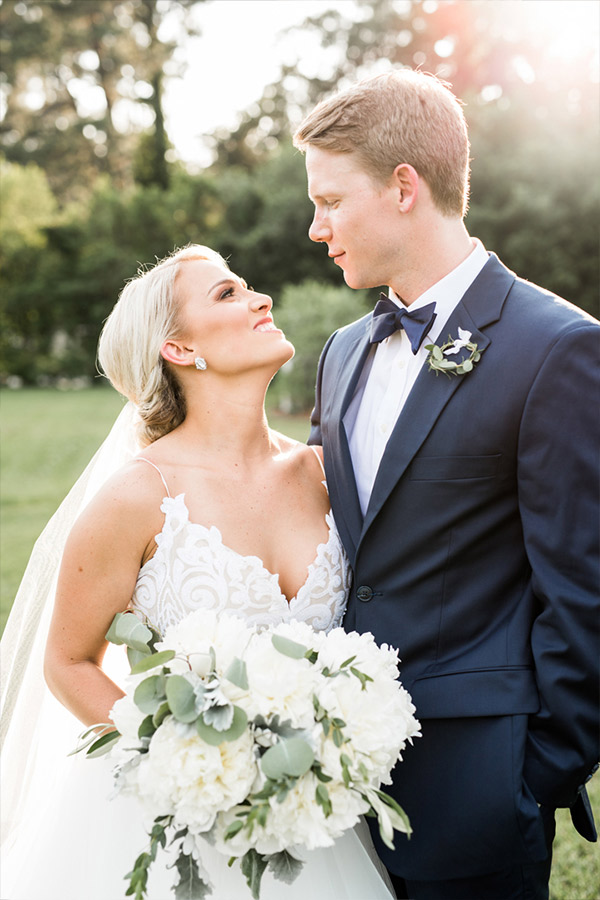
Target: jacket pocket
(450, 468)
(476, 692)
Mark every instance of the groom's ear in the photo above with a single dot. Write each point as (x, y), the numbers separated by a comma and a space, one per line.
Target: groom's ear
(177, 352)
(406, 181)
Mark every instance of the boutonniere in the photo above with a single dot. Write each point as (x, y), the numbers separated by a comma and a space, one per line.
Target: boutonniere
(438, 356)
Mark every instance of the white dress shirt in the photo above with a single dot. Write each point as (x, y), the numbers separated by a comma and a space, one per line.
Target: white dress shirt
(390, 372)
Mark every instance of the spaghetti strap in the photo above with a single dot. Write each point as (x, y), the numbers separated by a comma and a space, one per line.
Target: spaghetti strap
(315, 451)
(162, 478)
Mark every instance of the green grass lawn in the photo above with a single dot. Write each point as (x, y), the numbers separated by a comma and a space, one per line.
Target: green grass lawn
(47, 438)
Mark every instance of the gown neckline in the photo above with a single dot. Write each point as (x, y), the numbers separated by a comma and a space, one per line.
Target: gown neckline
(179, 499)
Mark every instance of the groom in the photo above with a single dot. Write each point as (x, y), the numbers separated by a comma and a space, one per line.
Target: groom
(466, 493)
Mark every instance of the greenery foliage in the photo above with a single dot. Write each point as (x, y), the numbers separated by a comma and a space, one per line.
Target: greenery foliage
(309, 313)
(72, 234)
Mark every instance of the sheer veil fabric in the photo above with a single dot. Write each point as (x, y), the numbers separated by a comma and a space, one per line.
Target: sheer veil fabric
(28, 707)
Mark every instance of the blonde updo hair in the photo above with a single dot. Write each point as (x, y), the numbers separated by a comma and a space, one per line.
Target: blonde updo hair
(144, 317)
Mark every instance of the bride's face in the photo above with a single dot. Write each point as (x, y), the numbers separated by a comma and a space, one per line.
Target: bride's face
(226, 322)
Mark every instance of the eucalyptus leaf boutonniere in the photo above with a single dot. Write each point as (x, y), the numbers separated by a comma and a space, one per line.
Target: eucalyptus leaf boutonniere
(438, 356)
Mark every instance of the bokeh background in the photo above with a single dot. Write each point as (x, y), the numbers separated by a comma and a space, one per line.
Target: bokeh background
(93, 183)
(131, 127)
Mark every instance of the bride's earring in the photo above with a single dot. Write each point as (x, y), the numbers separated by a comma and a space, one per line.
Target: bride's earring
(200, 363)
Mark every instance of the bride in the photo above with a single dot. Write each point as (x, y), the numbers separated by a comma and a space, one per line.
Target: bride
(215, 510)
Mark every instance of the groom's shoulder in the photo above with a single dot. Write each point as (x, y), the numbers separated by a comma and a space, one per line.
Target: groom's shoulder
(533, 306)
(530, 306)
(354, 330)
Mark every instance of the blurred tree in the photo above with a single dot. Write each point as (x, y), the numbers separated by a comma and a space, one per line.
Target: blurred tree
(28, 210)
(536, 200)
(263, 229)
(308, 313)
(508, 51)
(81, 80)
(530, 82)
(54, 302)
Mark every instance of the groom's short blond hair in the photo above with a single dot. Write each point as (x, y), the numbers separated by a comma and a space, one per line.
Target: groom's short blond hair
(402, 116)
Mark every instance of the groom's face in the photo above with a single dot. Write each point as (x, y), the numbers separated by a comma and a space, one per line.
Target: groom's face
(355, 216)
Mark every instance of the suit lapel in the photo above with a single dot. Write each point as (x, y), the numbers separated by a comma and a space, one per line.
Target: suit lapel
(338, 462)
(480, 306)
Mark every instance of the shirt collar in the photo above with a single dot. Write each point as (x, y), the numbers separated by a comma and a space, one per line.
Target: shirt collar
(449, 290)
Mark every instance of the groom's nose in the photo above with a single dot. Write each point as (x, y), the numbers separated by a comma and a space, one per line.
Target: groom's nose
(319, 228)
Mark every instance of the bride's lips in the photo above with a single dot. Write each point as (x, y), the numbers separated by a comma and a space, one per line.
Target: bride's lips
(266, 324)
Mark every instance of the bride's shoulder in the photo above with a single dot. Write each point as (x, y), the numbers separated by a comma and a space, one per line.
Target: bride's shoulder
(132, 494)
(299, 455)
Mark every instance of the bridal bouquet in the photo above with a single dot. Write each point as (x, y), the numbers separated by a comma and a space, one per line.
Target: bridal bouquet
(263, 742)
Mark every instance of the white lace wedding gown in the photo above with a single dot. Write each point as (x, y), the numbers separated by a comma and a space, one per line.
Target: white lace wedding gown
(76, 844)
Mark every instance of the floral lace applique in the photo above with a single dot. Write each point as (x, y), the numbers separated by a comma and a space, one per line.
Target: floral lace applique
(193, 568)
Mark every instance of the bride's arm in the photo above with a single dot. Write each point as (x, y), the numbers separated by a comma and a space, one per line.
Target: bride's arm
(100, 565)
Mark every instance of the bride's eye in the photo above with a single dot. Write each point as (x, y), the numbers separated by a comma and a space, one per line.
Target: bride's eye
(228, 292)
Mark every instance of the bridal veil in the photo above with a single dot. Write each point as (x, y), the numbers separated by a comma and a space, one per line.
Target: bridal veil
(35, 730)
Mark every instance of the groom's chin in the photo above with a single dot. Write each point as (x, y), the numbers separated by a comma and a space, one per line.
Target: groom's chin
(356, 281)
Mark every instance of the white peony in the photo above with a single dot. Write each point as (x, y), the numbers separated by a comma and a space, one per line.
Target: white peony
(277, 684)
(183, 776)
(127, 719)
(194, 636)
(203, 786)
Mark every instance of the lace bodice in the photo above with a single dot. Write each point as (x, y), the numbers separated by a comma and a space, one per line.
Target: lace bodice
(193, 568)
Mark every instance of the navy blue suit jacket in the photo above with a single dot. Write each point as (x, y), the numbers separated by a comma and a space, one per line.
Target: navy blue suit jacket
(478, 559)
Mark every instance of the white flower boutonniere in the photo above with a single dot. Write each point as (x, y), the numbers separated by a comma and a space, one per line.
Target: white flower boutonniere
(438, 356)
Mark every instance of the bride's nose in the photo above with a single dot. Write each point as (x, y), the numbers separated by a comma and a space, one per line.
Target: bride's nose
(260, 302)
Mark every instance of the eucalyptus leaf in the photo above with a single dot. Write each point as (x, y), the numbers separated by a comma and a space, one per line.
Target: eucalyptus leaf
(127, 629)
(284, 729)
(237, 673)
(161, 714)
(323, 799)
(149, 694)
(111, 635)
(289, 648)
(398, 815)
(232, 829)
(290, 757)
(102, 745)
(89, 736)
(467, 365)
(150, 662)
(135, 656)
(284, 866)
(181, 698)
(147, 728)
(213, 737)
(436, 352)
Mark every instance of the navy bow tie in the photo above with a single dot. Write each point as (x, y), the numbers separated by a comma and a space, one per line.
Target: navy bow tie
(388, 318)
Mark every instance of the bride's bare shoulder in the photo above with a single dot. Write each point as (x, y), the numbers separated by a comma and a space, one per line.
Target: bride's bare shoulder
(133, 494)
(299, 454)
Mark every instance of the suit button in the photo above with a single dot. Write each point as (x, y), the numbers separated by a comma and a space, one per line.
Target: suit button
(364, 593)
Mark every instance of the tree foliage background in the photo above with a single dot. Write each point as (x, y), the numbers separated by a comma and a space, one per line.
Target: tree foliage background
(91, 187)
